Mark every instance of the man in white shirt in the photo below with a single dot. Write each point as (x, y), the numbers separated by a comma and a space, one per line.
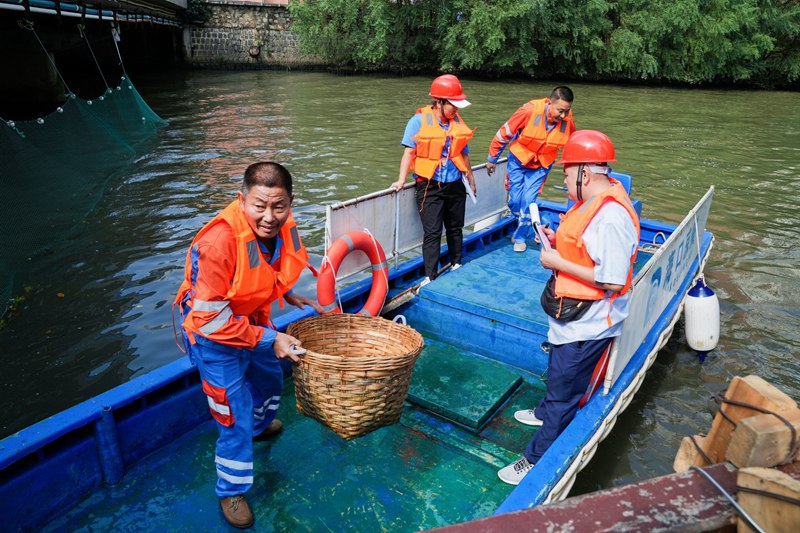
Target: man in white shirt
(592, 253)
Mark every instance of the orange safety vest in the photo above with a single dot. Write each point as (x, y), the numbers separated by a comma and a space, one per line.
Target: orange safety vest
(256, 284)
(570, 245)
(537, 145)
(431, 139)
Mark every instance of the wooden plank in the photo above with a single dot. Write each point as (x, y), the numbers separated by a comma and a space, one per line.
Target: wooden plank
(762, 440)
(687, 453)
(770, 514)
(752, 390)
(676, 502)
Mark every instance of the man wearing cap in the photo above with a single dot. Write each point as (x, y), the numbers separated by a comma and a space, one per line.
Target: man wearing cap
(534, 133)
(592, 254)
(437, 151)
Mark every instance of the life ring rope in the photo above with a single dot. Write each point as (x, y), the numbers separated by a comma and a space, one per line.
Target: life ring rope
(327, 288)
(328, 308)
(379, 252)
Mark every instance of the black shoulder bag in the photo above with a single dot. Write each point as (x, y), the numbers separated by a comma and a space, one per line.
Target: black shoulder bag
(562, 308)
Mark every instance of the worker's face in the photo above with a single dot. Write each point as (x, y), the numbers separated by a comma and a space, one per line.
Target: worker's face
(570, 175)
(448, 110)
(558, 110)
(266, 209)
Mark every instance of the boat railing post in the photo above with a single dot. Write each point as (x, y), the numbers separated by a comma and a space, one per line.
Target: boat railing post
(108, 450)
(396, 229)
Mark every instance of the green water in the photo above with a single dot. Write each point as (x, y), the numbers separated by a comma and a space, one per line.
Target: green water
(98, 310)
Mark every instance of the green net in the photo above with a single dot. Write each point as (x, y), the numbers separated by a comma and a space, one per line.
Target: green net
(54, 169)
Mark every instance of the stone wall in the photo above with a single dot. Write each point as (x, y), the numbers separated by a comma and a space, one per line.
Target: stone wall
(244, 34)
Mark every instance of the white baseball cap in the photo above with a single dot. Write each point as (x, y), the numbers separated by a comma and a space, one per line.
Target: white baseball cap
(461, 104)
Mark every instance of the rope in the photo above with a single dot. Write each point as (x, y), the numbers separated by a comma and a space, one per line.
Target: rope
(699, 258)
(717, 398)
(651, 247)
(794, 446)
(700, 451)
(116, 32)
(377, 251)
(328, 243)
(727, 496)
(28, 25)
(781, 497)
(424, 196)
(179, 343)
(81, 27)
(335, 281)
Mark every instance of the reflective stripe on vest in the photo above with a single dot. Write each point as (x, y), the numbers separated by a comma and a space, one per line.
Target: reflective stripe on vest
(570, 245)
(431, 140)
(252, 289)
(535, 144)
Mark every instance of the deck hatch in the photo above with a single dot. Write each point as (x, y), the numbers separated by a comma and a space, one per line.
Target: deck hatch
(461, 387)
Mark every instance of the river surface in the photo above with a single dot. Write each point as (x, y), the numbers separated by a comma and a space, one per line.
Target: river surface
(97, 307)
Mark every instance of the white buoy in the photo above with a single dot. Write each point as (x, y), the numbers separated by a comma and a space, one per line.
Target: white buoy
(702, 319)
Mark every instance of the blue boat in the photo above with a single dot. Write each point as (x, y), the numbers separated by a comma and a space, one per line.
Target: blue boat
(140, 456)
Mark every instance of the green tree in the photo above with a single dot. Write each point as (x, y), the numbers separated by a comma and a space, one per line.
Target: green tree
(343, 32)
(779, 22)
(673, 41)
(490, 35)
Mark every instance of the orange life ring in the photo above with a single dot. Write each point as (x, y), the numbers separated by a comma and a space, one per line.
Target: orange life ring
(341, 248)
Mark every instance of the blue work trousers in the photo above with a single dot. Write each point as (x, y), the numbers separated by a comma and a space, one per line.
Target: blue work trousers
(247, 385)
(524, 185)
(569, 371)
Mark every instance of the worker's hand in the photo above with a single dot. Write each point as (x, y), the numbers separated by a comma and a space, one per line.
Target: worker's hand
(471, 180)
(490, 168)
(550, 259)
(283, 346)
(300, 301)
(398, 185)
(551, 234)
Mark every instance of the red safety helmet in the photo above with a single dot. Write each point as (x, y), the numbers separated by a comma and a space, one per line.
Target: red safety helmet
(587, 146)
(448, 87)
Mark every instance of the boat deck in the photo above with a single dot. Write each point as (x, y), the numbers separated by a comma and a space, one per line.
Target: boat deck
(483, 359)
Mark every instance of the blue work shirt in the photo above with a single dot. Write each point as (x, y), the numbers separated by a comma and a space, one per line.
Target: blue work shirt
(447, 173)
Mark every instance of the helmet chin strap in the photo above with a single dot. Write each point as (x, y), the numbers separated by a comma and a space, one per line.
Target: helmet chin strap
(441, 102)
(578, 181)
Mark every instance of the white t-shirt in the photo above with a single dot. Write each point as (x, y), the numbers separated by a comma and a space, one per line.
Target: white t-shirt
(610, 241)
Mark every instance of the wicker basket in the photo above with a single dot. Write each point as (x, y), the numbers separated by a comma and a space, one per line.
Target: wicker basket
(355, 375)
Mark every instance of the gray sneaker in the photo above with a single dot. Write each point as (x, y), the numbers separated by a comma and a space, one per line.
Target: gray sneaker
(527, 417)
(513, 473)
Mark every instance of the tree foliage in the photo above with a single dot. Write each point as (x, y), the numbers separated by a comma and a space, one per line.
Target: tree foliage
(674, 41)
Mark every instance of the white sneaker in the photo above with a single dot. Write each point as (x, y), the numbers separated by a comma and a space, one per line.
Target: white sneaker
(513, 473)
(425, 281)
(527, 417)
(520, 246)
(455, 267)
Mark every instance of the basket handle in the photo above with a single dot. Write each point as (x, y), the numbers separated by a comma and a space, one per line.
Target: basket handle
(297, 351)
(401, 319)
